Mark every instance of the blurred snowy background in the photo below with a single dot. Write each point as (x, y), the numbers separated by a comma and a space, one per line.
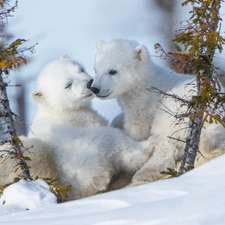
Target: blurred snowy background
(73, 26)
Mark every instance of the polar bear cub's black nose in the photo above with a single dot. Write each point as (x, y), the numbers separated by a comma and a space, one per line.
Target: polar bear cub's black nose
(95, 90)
(89, 84)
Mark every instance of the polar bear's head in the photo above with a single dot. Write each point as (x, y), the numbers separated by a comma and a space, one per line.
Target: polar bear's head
(63, 85)
(119, 65)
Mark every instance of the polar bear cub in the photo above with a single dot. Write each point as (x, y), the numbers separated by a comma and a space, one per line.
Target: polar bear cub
(63, 96)
(90, 158)
(124, 70)
(87, 154)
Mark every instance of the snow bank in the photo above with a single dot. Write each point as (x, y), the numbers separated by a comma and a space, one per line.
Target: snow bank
(196, 198)
(26, 195)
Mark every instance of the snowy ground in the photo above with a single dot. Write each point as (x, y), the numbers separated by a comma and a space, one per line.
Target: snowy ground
(197, 198)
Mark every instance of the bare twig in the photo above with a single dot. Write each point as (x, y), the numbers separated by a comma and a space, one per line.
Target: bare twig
(166, 94)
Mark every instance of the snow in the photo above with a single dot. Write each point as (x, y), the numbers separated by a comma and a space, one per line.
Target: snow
(196, 198)
(26, 195)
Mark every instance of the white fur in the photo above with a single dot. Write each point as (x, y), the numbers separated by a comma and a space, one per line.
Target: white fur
(58, 104)
(142, 109)
(136, 73)
(88, 156)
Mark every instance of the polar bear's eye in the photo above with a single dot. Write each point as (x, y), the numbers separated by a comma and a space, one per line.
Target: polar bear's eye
(112, 72)
(81, 70)
(69, 85)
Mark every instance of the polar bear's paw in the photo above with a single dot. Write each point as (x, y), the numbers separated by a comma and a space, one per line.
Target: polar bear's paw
(85, 186)
(146, 175)
(101, 182)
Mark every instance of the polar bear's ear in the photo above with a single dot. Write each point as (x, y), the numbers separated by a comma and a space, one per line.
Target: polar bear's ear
(141, 52)
(99, 44)
(65, 57)
(37, 96)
